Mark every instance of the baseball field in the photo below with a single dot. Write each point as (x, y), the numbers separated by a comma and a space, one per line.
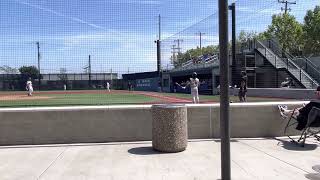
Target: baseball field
(102, 97)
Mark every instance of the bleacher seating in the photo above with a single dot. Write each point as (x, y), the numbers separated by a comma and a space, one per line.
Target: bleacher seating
(204, 61)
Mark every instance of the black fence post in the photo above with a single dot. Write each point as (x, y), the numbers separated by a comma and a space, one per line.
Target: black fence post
(224, 90)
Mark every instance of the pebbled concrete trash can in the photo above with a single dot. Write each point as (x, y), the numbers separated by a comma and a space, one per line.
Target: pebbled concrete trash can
(169, 128)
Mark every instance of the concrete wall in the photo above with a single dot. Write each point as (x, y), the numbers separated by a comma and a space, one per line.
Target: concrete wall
(286, 93)
(131, 123)
(289, 93)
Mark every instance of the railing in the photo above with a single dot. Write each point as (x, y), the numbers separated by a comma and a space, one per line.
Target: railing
(198, 63)
(273, 53)
(307, 66)
(270, 55)
(187, 63)
(196, 66)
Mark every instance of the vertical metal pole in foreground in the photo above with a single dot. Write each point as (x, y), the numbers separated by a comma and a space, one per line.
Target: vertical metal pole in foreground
(234, 61)
(224, 93)
(159, 55)
(89, 71)
(39, 73)
(159, 62)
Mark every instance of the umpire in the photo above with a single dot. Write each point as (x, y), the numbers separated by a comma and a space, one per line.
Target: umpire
(243, 87)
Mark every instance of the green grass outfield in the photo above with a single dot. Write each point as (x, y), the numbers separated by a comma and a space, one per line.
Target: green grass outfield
(103, 98)
(216, 98)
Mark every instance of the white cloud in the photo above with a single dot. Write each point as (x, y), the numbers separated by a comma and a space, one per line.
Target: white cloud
(266, 11)
(270, 11)
(143, 2)
(60, 14)
(122, 38)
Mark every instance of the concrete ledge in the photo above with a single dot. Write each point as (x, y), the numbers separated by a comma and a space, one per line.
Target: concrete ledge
(132, 123)
(287, 93)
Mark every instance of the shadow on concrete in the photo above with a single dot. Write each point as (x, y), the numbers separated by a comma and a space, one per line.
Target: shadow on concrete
(200, 140)
(313, 176)
(144, 151)
(231, 140)
(316, 168)
(74, 144)
(289, 145)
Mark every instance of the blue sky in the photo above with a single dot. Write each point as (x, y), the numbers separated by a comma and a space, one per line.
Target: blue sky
(119, 34)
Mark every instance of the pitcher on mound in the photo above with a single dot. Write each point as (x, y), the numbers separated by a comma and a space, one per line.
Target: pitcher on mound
(29, 87)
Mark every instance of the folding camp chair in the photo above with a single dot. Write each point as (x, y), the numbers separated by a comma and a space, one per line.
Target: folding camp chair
(312, 127)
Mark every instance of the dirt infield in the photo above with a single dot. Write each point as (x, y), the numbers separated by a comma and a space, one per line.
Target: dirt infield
(84, 92)
(68, 92)
(19, 97)
(165, 98)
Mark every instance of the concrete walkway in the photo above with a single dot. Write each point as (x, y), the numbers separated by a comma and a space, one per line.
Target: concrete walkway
(269, 159)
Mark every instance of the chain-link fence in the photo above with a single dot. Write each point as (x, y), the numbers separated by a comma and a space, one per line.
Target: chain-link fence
(110, 45)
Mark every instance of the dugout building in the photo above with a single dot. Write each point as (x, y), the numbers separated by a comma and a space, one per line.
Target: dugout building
(144, 81)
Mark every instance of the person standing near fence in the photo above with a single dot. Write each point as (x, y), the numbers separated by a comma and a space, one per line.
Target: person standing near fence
(29, 87)
(243, 87)
(108, 86)
(194, 84)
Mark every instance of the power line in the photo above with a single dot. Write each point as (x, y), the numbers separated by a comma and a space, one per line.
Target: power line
(185, 29)
(178, 41)
(286, 9)
(270, 5)
(173, 59)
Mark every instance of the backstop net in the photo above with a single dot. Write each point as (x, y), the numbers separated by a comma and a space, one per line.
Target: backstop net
(105, 52)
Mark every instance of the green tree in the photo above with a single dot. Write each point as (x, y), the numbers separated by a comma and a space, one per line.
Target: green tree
(29, 71)
(245, 36)
(287, 30)
(181, 58)
(311, 33)
(63, 75)
(243, 39)
(8, 70)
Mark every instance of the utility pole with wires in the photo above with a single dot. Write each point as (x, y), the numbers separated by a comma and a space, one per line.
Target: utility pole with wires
(200, 39)
(39, 73)
(178, 41)
(173, 57)
(286, 9)
(176, 49)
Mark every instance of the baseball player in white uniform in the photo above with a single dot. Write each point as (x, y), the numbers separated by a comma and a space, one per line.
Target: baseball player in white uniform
(29, 87)
(194, 84)
(108, 86)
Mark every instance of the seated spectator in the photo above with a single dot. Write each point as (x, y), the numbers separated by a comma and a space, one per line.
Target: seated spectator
(287, 83)
(301, 113)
